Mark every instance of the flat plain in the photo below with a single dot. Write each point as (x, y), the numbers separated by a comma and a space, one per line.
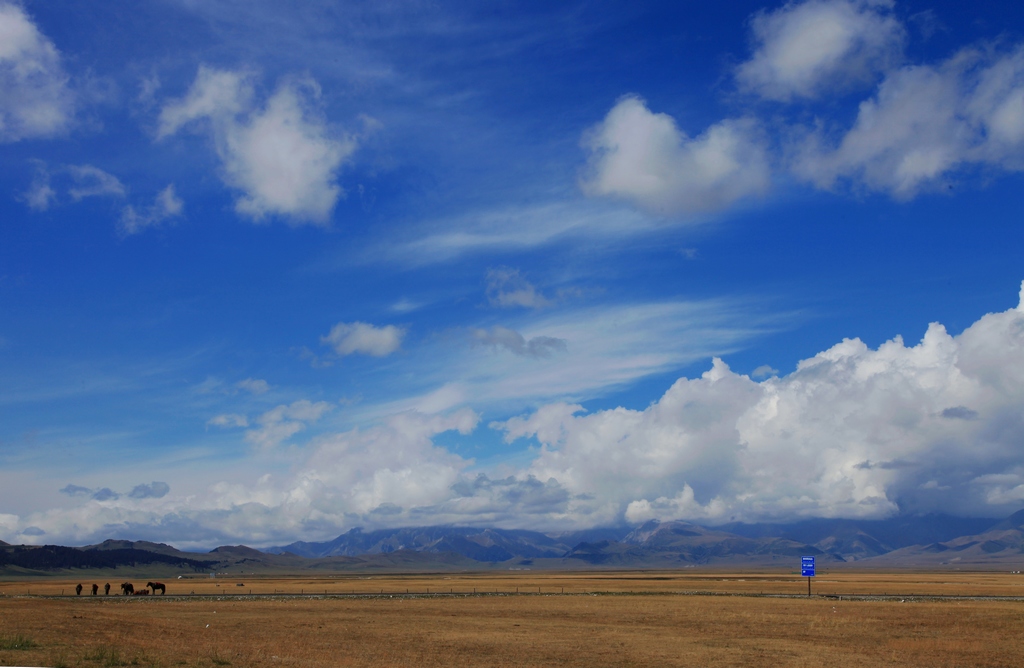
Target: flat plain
(671, 618)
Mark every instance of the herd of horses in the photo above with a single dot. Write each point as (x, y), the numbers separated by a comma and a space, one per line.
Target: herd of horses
(127, 589)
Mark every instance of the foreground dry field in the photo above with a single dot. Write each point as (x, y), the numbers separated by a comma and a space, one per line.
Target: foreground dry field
(656, 625)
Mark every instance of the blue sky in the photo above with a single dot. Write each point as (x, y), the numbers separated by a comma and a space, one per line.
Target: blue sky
(268, 273)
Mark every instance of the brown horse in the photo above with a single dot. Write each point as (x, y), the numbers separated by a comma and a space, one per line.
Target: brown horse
(157, 585)
(78, 590)
(106, 589)
(127, 588)
(95, 588)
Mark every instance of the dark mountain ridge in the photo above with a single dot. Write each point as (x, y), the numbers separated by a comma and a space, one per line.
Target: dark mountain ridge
(477, 544)
(842, 540)
(860, 539)
(926, 541)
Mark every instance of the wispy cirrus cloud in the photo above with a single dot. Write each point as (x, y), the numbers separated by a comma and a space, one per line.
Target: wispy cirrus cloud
(502, 229)
(253, 385)
(66, 184)
(507, 287)
(166, 206)
(514, 342)
(574, 352)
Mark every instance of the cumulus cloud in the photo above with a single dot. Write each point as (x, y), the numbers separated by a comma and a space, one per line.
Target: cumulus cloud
(391, 474)
(805, 49)
(922, 126)
(35, 99)
(166, 206)
(853, 432)
(507, 287)
(154, 490)
(395, 463)
(764, 371)
(281, 423)
(645, 158)
(925, 124)
(515, 343)
(363, 338)
(281, 155)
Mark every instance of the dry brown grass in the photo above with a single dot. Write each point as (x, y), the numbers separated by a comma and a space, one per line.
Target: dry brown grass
(654, 628)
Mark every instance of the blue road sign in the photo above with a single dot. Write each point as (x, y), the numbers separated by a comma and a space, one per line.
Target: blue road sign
(807, 567)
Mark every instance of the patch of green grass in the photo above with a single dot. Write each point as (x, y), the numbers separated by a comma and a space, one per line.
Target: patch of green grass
(17, 641)
(109, 657)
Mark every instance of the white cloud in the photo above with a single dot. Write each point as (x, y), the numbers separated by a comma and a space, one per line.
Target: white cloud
(576, 353)
(925, 123)
(805, 49)
(35, 100)
(74, 183)
(281, 423)
(395, 463)
(90, 181)
(511, 227)
(764, 371)
(40, 194)
(643, 157)
(515, 343)
(282, 156)
(166, 206)
(853, 432)
(360, 337)
(217, 96)
(391, 472)
(253, 385)
(506, 287)
(228, 420)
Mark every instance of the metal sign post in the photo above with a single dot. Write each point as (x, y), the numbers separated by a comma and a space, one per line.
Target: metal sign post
(807, 571)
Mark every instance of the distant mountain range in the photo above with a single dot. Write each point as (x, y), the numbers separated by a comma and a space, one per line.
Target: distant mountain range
(931, 541)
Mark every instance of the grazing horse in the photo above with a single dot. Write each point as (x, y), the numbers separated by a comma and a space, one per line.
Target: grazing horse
(127, 588)
(157, 585)
(106, 589)
(95, 588)
(78, 590)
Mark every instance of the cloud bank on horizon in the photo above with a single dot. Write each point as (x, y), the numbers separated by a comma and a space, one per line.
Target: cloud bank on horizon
(853, 432)
(270, 275)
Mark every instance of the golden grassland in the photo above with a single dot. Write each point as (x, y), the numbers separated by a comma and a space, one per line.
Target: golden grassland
(603, 619)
